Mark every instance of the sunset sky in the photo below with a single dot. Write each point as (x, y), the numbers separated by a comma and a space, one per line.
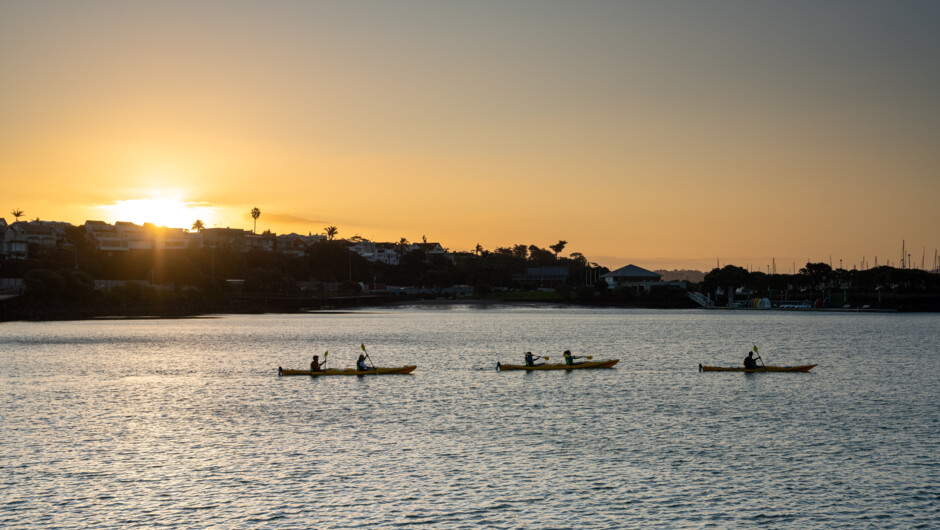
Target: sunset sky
(666, 134)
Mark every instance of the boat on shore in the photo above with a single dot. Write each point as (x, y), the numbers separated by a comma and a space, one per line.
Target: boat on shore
(349, 371)
(804, 368)
(559, 366)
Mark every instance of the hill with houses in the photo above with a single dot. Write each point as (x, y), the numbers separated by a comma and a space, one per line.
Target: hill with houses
(51, 269)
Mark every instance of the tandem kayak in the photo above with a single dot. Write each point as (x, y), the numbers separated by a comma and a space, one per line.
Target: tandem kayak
(804, 368)
(350, 371)
(559, 366)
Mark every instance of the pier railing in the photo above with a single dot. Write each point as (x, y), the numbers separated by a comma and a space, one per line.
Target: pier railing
(700, 299)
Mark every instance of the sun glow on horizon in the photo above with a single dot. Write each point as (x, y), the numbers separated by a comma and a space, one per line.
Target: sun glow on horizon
(172, 213)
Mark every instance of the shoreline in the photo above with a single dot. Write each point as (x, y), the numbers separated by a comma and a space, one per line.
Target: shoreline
(57, 313)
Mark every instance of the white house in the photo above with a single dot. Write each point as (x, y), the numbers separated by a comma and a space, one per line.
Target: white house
(296, 244)
(636, 277)
(391, 253)
(17, 238)
(377, 252)
(124, 236)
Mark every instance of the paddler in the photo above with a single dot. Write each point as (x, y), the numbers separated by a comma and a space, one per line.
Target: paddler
(569, 359)
(361, 364)
(530, 359)
(315, 364)
(750, 362)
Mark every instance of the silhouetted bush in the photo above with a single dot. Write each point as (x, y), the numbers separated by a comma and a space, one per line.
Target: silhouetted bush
(44, 283)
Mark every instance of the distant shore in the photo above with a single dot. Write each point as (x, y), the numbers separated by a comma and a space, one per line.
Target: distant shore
(22, 309)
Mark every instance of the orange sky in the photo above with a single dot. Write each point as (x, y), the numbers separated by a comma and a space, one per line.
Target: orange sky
(666, 134)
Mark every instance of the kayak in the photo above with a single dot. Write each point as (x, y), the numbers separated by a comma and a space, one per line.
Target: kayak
(559, 366)
(804, 368)
(349, 371)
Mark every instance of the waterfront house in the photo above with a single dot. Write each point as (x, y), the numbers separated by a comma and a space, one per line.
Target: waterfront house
(636, 277)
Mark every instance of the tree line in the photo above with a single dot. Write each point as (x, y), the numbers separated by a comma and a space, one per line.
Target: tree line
(884, 286)
(197, 279)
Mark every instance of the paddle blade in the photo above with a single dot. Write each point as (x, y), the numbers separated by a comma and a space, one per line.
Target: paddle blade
(546, 358)
(363, 346)
(755, 348)
(589, 357)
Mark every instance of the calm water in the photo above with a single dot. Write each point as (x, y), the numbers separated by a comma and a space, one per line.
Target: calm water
(185, 422)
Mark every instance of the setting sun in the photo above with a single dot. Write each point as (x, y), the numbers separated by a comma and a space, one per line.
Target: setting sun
(171, 213)
(663, 136)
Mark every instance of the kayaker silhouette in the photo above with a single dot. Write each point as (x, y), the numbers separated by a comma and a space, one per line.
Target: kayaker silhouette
(750, 362)
(361, 364)
(315, 364)
(569, 359)
(530, 359)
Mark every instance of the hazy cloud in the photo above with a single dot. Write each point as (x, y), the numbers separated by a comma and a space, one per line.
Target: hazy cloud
(290, 219)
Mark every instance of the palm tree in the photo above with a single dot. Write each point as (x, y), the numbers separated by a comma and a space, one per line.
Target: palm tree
(331, 232)
(17, 213)
(255, 214)
(402, 245)
(198, 225)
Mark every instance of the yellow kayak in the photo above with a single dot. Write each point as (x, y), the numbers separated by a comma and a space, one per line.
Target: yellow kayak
(350, 371)
(804, 368)
(559, 366)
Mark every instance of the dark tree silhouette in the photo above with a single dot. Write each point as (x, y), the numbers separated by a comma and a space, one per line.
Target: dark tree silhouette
(402, 245)
(558, 247)
(255, 214)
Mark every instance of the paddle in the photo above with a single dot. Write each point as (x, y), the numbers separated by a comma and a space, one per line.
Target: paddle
(758, 356)
(363, 346)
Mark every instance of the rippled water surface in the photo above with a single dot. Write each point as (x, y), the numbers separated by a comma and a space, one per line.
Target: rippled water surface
(186, 423)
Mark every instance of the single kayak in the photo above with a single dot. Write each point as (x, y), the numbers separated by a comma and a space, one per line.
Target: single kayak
(559, 366)
(804, 368)
(349, 371)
